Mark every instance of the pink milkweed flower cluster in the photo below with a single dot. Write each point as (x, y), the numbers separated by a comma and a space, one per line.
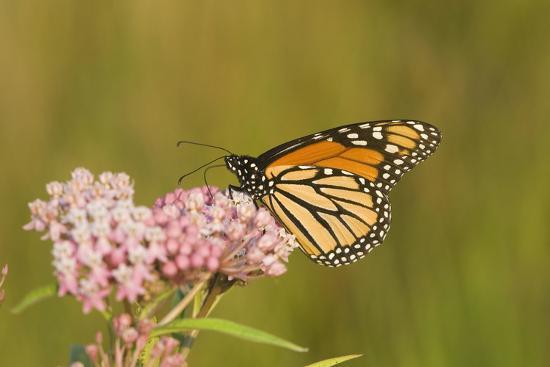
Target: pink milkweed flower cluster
(131, 338)
(228, 235)
(103, 242)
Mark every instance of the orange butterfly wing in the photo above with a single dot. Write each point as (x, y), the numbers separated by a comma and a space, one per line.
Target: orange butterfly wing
(378, 151)
(331, 188)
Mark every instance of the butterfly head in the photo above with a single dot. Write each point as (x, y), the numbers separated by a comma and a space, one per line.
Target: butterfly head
(247, 172)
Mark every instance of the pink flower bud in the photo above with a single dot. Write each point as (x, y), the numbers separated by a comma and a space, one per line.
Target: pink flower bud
(186, 248)
(92, 351)
(197, 261)
(103, 246)
(172, 246)
(212, 263)
(175, 360)
(149, 221)
(54, 189)
(117, 235)
(204, 249)
(235, 231)
(184, 222)
(5, 270)
(276, 269)
(160, 216)
(169, 269)
(263, 218)
(267, 242)
(195, 201)
(246, 211)
(169, 198)
(173, 229)
(122, 323)
(130, 335)
(255, 255)
(170, 344)
(145, 327)
(171, 211)
(179, 192)
(182, 262)
(216, 250)
(158, 350)
(268, 260)
(192, 231)
(218, 213)
(117, 257)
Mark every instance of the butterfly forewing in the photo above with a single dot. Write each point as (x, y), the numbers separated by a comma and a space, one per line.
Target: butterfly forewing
(380, 151)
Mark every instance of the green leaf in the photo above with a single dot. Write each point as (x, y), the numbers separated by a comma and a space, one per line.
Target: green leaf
(227, 327)
(35, 296)
(334, 361)
(78, 354)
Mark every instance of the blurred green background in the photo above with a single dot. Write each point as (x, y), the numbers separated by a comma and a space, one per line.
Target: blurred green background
(463, 277)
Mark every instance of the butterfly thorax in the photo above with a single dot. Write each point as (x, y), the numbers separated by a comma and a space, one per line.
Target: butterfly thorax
(251, 178)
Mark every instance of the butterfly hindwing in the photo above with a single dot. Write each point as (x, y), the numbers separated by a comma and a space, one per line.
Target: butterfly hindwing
(336, 216)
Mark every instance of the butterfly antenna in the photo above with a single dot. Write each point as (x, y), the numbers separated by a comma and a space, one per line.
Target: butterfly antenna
(181, 142)
(206, 181)
(199, 168)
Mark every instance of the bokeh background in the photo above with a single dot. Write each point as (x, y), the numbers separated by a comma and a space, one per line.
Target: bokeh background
(463, 277)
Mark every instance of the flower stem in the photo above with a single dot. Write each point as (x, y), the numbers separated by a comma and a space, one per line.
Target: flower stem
(171, 316)
(220, 284)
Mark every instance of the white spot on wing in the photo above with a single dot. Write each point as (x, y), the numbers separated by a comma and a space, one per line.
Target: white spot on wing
(390, 148)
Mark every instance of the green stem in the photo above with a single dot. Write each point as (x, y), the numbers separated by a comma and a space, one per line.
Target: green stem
(176, 311)
(218, 286)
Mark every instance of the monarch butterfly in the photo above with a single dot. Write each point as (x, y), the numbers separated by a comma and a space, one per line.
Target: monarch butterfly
(330, 189)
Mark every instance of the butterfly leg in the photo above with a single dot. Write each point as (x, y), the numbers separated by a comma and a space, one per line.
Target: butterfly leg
(232, 188)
